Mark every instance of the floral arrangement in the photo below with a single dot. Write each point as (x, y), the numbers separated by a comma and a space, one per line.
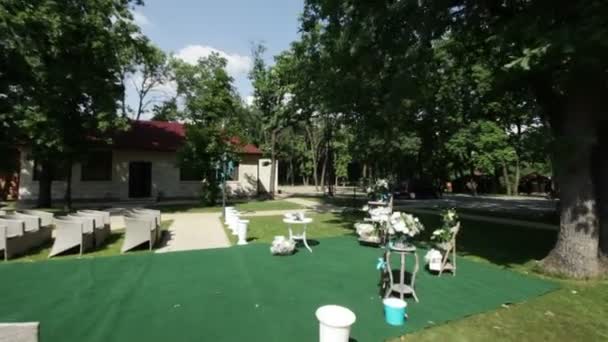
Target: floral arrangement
(379, 190)
(282, 246)
(367, 232)
(444, 235)
(403, 226)
(380, 214)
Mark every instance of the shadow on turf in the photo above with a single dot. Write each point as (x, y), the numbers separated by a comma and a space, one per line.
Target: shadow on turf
(503, 245)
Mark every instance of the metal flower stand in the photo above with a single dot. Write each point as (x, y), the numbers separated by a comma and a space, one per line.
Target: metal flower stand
(402, 288)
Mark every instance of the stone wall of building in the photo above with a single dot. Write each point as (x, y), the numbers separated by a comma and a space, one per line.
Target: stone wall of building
(165, 176)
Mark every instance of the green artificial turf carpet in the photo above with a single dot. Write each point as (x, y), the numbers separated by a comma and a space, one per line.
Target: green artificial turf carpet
(238, 294)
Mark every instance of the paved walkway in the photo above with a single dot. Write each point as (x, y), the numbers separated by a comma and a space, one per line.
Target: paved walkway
(194, 231)
(189, 231)
(303, 201)
(309, 207)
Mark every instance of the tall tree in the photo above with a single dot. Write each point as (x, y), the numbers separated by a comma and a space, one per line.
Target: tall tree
(561, 59)
(61, 75)
(151, 73)
(210, 102)
(271, 97)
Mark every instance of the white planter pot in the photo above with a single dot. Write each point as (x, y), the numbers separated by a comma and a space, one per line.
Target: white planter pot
(233, 223)
(334, 323)
(242, 232)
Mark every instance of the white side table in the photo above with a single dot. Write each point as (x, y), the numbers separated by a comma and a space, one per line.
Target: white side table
(302, 235)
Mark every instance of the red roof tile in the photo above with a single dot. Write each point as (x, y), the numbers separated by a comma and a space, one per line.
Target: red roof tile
(162, 136)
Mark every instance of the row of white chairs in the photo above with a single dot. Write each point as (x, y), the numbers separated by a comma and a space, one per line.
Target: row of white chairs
(24, 230)
(238, 226)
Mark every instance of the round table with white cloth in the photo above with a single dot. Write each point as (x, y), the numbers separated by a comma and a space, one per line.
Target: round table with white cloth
(301, 235)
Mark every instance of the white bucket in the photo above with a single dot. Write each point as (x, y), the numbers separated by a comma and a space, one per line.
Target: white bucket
(334, 323)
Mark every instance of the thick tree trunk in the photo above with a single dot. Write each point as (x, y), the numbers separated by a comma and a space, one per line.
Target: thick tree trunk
(323, 171)
(330, 164)
(576, 253)
(68, 189)
(273, 162)
(314, 155)
(315, 174)
(139, 109)
(517, 177)
(44, 185)
(505, 175)
(472, 183)
(291, 172)
(601, 176)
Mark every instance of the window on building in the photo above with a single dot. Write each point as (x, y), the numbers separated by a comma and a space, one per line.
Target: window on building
(59, 171)
(189, 174)
(97, 166)
(233, 175)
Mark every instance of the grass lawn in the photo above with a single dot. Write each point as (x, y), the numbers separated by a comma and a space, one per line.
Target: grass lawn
(571, 313)
(112, 247)
(263, 229)
(253, 205)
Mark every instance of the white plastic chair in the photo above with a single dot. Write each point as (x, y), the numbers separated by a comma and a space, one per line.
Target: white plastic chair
(71, 232)
(150, 212)
(102, 230)
(139, 230)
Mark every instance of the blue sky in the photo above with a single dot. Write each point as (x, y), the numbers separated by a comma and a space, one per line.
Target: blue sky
(193, 28)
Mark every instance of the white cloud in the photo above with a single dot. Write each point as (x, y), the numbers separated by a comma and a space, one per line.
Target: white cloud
(167, 89)
(249, 100)
(140, 19)
(160, 92)
(237, 64)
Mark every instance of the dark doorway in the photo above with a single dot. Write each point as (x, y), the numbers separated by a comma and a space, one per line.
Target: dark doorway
(140, 179)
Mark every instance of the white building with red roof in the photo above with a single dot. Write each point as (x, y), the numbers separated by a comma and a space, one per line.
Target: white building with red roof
(141, 164)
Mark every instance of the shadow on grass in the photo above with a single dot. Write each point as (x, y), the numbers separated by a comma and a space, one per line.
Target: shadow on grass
(504, 245)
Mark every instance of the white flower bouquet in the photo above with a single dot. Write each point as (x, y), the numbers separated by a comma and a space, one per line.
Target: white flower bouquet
(282, 246)
(380, 211)
(403, 226)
